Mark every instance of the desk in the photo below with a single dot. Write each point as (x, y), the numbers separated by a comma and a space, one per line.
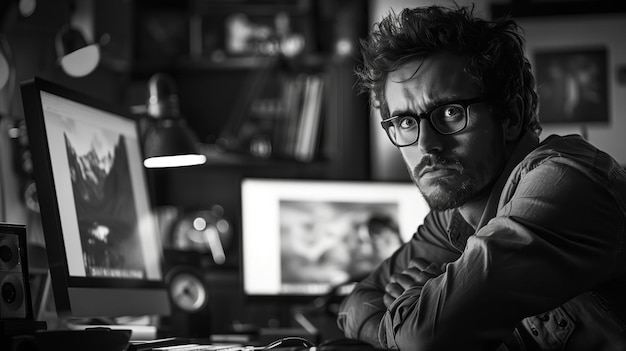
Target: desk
(118, 340)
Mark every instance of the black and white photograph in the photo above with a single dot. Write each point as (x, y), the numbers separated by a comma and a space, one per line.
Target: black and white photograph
(301, 175)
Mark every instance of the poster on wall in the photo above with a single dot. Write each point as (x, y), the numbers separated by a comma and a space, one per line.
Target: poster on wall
(572, 85)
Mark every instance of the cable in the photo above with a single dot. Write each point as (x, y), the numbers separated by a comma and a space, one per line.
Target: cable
(294, 342)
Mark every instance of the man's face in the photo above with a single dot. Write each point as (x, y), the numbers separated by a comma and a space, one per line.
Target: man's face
(449, 170)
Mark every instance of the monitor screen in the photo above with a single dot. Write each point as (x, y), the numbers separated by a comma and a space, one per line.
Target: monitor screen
(303, 238)
(102, 240)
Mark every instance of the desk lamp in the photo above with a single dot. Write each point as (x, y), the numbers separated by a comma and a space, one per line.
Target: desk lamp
(76, 57)
(169, 142)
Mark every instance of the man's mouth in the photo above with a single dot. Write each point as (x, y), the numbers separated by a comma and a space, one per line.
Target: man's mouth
(436, 166)
(437, 171)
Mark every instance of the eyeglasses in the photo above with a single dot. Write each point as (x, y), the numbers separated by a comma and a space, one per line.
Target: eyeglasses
(446, 119)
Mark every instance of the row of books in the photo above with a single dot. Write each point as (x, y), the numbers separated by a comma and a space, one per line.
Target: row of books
(303, 98)
(287, 122)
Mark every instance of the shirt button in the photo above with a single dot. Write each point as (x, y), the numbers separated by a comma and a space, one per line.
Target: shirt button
(534, 331)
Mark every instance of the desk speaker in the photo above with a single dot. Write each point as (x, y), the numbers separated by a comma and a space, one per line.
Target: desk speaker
(205, 298)
(15, 300)
(189, 295)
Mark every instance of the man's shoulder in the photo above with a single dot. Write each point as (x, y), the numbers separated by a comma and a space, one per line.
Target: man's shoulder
(555, 141)
(572, 151)
(572, 147)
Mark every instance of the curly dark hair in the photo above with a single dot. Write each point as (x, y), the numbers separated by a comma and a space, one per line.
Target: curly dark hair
(495, 50)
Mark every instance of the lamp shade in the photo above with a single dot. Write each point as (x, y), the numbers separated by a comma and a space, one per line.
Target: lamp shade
(170, 143)
(76, 57)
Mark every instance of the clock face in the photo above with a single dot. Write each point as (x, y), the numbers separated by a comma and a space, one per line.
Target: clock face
(188, 292)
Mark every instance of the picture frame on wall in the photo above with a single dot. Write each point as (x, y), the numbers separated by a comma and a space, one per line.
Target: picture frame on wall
(572, 84)
(567, 27)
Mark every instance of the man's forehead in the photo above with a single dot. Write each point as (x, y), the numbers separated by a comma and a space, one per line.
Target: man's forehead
(444, 66)
(434, 78)
(406, 72)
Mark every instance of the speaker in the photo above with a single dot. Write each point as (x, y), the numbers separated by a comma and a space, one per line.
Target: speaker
(15, 299)
(16, 310)
(189, 295)
(205, 298)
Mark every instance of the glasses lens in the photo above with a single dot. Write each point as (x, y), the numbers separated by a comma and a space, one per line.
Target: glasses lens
(449, 119)
(403, 130)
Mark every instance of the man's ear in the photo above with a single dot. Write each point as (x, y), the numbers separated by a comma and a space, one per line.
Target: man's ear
(514, 123)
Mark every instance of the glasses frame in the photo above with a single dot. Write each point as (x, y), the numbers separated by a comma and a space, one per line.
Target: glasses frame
(387, 123)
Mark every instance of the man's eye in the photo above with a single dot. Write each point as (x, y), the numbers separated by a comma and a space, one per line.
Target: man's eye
(452, 112)
(406, 122)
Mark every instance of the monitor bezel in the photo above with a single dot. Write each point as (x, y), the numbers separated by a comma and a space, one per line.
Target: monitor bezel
(82, 297)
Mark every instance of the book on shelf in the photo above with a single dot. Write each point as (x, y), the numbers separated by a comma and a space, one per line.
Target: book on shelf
(288, 119)
(292, 100)
(297, 132)
(309, 121)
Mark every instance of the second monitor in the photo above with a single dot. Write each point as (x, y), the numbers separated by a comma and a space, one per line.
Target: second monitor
(302, 238)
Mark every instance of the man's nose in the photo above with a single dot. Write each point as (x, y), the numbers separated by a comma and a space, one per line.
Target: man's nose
(429, 139)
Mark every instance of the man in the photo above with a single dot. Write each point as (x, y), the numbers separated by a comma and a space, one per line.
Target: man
(524, 247)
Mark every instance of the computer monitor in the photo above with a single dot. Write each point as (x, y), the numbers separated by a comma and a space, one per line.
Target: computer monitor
(101, 235)
(301, 239)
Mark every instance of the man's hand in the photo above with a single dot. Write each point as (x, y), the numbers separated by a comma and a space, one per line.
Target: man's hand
(416, 274)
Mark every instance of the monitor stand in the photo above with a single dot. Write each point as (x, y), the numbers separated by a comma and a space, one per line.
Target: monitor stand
(142, 328)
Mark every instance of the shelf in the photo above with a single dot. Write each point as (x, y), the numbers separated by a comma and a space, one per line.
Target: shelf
(218, 158)
(242, 96)
(223, 63)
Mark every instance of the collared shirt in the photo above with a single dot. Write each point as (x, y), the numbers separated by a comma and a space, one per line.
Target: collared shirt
(545, 269)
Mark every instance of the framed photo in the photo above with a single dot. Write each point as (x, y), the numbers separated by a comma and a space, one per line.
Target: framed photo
(588, 47)
(572, 84)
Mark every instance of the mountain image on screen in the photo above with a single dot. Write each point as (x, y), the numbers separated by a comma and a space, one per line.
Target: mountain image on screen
(105, 210)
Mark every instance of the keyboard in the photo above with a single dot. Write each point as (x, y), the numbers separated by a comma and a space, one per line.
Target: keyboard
(210, 347)
(184, 344)
(283, 344)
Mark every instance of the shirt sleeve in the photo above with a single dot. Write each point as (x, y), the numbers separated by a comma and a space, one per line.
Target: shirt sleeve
(539, 251)
(362, 311)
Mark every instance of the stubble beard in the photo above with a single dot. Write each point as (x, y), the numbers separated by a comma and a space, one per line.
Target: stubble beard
(448, 193)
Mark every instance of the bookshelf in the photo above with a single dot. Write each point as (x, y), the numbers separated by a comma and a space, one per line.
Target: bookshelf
(265, 116)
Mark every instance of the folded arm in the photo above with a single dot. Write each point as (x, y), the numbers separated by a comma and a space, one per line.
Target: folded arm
(362, 312)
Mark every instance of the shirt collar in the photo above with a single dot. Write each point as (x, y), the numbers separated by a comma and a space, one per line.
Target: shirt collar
(526, 144)
(458, 230)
